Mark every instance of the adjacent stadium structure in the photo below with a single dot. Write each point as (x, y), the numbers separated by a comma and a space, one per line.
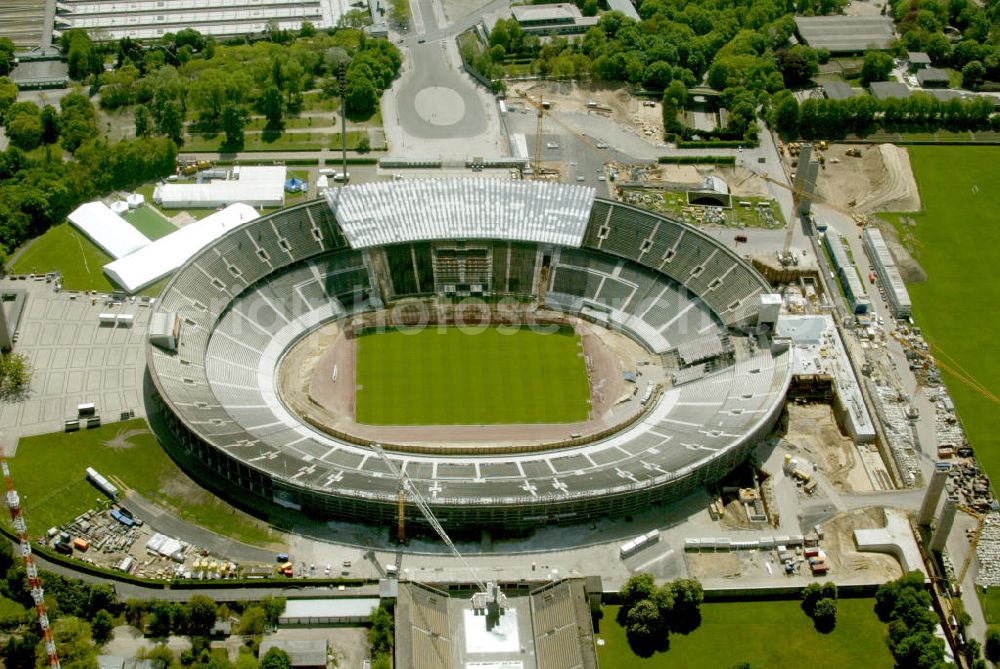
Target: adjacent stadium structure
(224, 323)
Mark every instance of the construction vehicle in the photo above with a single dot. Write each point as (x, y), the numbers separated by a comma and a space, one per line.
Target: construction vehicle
(853, 152)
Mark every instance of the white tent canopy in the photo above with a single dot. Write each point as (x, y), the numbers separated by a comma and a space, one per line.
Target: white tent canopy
(107, 229)
(254, 185)
(152, 263)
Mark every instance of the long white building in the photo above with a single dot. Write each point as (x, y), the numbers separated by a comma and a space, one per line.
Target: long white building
(150, 19)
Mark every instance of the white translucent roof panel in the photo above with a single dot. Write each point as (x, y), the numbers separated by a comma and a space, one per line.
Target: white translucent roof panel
(380, 213)
(107, 229)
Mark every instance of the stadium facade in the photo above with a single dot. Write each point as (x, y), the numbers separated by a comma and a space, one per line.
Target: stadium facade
(224, 322)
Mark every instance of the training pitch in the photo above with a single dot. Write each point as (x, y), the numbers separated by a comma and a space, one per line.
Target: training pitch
(957, 242)
(459, 376)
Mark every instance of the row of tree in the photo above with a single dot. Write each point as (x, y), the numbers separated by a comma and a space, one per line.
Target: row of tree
(863, 115)
(906, 605)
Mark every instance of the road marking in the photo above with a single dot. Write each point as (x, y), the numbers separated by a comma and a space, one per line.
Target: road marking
(656, 559)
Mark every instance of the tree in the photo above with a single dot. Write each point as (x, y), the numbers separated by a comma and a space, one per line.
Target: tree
(876, 67)
(234, 119)
(811, 594)
(6, 56)
(688, 596)
(159, 622)
(360, 96)
(73, 639)
(364, 144)
(637, 588)
(19, 651)
(275, 658)
(172, 122)
(992, 647)
(381, 661)
(380, 636)
(973, 75)
(270, 105)
(101, 626)
(253, 621)
(50, 125)
(273, 608)
(143, 121)
(24, 125)
(644, 625)
(201, 615)
(786, 114)
(8, 96)
(825, 614)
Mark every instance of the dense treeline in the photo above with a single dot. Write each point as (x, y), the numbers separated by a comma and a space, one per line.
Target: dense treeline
(906, 605)
(219, 85)
(864, 114)
(38, 187)
(649, 613)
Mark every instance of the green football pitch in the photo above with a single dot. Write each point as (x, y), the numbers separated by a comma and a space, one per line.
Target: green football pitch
(451, 376)
(957, 242)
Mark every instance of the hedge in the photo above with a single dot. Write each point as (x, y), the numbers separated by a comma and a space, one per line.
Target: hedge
(697, 160)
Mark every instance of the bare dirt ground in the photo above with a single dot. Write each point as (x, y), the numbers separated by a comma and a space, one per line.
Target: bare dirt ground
(742, 182)
(838, 543)
(880, 180)
(813, 432)
(713, 565)
(644, 117)
(842, 553)
(308, 384)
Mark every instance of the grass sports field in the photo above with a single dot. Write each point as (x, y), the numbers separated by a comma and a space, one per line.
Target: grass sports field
(765, 634)
(448, 376)
(957, 242)
(128, 454)
(64, 248)
(147, 220)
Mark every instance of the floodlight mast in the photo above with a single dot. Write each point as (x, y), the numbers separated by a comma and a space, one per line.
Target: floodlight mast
(407, 486)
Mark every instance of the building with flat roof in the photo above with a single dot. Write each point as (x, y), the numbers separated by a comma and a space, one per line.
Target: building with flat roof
(255, 186)
(625, 7)
(334, 611)
(150, 19)
(561, 18)
(883, 90)
(839, 90)
(917, 60)
(933, 77)
(846, 34)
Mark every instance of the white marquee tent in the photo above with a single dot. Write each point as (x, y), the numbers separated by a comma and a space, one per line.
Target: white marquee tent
(157, 260)
(107, 229)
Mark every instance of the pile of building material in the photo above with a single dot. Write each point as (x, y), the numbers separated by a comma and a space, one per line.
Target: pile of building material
(895, 416)
(988, 553)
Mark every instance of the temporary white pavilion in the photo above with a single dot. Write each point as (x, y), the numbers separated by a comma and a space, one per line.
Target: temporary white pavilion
(155, 261)
(107, 229)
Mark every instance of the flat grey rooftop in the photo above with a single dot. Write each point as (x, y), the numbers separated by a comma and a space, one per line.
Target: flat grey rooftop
(846, 34)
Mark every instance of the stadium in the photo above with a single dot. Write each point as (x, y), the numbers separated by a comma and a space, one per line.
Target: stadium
(637, 362)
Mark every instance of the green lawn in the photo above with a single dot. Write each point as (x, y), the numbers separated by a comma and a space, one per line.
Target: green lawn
(128, 454)
(448, 376)
(957, 243)
(767, 634)
(288, 141)
(150, 222)
(990, 601)
(64, 248)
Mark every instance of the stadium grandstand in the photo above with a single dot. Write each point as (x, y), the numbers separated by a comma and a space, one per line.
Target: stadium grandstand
(228, 316)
